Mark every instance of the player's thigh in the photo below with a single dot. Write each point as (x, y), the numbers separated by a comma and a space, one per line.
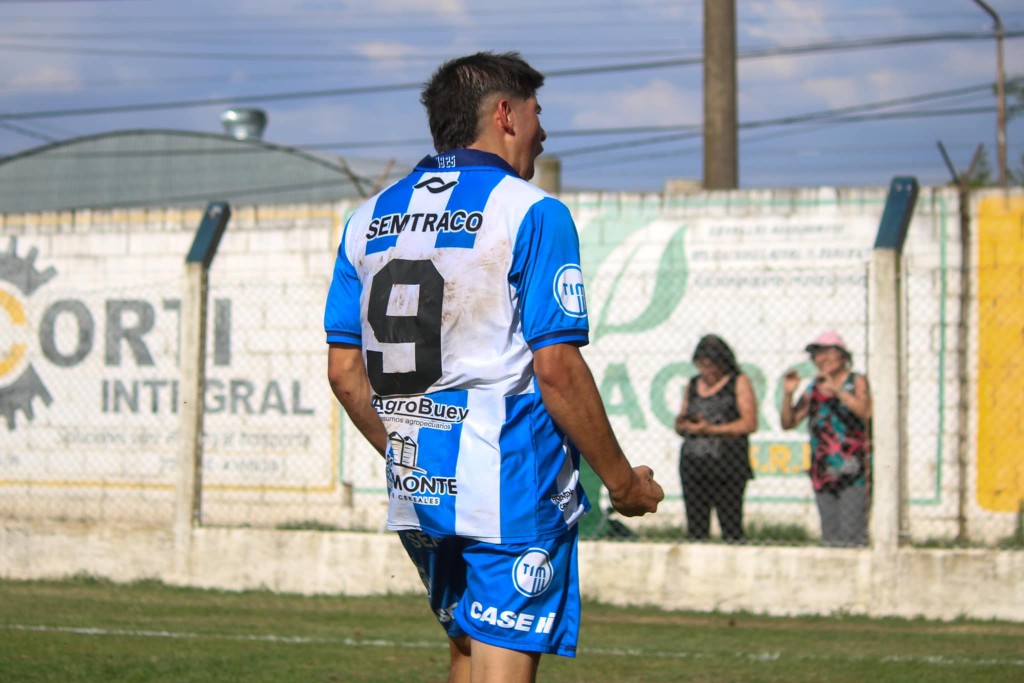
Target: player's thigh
(491, 664)
(443, 572)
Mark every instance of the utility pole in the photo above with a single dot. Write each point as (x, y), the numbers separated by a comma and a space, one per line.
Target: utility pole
(721, 158)
(1000, 91)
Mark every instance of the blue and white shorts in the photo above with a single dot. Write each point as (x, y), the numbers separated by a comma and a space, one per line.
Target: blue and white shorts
(518, 596)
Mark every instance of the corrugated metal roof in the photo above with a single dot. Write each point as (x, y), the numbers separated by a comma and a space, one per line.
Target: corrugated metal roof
(158, 168)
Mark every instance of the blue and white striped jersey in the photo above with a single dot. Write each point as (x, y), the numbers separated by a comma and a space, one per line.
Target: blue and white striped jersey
(448, 280)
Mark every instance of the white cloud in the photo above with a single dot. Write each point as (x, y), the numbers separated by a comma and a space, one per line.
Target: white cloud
(44, 77)
(784, 22)
(657, 102)
(771, 69)
(977, 62)
(348, 15)
(354, 8)
(671, 10)
(393, 58)
(384, 50)
(319, 122)
(454, 9)
(890, 83)
(835, 92)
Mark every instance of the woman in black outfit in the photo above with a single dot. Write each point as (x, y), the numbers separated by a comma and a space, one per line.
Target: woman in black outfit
(719, 410)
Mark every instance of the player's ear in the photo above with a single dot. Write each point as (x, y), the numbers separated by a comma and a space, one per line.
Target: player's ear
(504, 114)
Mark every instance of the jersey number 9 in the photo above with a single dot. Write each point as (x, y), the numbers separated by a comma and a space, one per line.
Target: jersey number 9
(423, 329)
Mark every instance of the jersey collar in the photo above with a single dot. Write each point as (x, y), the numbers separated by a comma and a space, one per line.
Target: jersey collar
(464, 157)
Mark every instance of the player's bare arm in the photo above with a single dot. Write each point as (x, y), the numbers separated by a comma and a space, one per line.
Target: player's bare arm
(347, 375)
(571, 396)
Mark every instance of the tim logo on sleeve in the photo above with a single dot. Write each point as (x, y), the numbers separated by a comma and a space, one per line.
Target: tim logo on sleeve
(569, 292)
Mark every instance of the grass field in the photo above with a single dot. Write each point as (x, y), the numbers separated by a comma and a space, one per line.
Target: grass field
(84, 630)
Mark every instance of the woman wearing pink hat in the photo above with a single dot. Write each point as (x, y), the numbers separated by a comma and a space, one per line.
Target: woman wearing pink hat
(838, 407)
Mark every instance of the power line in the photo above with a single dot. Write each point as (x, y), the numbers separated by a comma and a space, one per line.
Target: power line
(666, 133)
(830, 46)
(264, 56)
(315, 57)
(210, 101)
(579, 132)
(152, 80)
(814, 120)
(333, 21)
(807, 126)
(324, 19)
(833, 46)
(27, 132)
(830, 115)
(227, 194)
(797, 129)
(608, 68)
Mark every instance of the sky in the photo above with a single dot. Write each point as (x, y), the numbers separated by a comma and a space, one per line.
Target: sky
(820, 102)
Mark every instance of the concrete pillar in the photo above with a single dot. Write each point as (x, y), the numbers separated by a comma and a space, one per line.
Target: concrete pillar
(885, 367)
(682, 186)
(188, 492)
(884, 375)
(190, 429)
(548, 174)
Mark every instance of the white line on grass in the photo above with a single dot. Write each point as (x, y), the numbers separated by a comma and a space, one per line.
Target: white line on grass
(935, 660)
(187, 635)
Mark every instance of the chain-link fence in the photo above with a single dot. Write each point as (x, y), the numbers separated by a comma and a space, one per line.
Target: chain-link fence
(745, 465)
(91, 401)
(90, 379)
(91, 385)
(270, 457)
(934, 406)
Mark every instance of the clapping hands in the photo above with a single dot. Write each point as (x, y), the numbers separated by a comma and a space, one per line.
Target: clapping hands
(829, 384)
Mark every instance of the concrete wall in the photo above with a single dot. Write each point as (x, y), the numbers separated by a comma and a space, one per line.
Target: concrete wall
(88, 449)
(939, 584)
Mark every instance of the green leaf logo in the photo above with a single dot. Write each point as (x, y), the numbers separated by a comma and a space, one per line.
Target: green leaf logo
(669, 288)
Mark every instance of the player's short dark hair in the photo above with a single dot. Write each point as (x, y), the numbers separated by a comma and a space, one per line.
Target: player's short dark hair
(456, 91)
(713, 348)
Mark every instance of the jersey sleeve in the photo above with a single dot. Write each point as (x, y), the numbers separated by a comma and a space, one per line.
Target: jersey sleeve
(341, 314)
(547, 277)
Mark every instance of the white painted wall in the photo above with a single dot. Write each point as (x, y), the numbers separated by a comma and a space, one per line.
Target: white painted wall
(939, 584)
(87, 452)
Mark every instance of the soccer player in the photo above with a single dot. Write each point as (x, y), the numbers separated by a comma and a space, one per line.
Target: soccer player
(454, 322)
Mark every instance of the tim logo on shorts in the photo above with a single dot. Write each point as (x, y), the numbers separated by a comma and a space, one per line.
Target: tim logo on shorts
(531, 574)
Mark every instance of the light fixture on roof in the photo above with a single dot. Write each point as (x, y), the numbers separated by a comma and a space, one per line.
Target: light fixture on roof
(244, 124)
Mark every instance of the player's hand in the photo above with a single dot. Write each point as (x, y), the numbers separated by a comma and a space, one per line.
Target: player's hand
(641, 496)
